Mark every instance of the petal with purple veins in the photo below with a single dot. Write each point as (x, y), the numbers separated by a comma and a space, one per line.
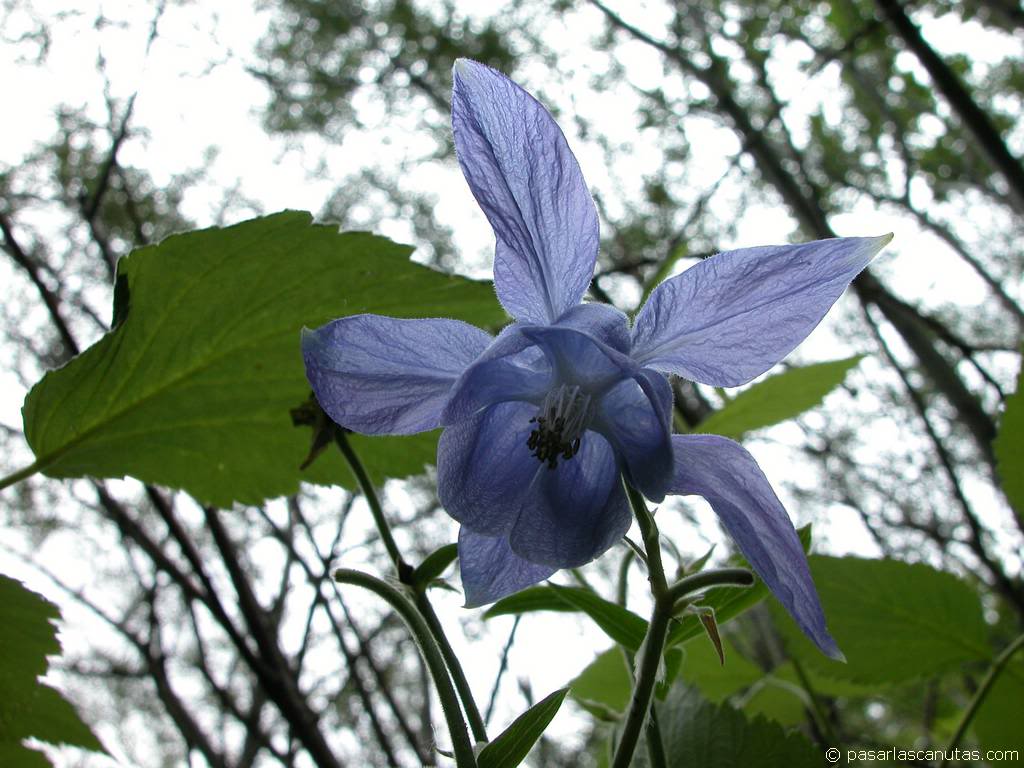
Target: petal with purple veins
(735, 315)
(511, 368)
(725, 474)
(574, 512)
(525, 178)
(383, 376)
(485, 469)
(491, 570)
(636, 418)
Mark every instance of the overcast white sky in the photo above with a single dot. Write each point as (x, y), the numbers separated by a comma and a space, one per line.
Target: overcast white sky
(188, 104)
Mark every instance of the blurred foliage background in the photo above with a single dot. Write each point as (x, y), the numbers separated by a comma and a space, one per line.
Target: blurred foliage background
(202, 636)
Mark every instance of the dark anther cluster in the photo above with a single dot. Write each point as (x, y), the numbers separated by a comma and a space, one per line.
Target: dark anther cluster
(547, 442)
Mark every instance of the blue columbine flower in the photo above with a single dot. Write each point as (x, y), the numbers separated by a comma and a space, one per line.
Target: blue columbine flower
(541, 421)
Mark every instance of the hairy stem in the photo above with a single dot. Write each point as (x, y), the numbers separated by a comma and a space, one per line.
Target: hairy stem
(405, 575)
(424, 638)
(654, 641)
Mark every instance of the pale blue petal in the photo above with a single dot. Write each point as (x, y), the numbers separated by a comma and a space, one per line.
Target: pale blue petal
(735, 315)
(580, 359)
(484, 468)
(574, 512)
(491, 570)
(530, 187)
(511, 368)
(725, 474)
(602, 321)
(383, 376)
(636, 418)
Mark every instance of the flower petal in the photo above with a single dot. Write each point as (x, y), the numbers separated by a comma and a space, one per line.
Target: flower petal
(382, 376)
(511, 368)
(725, 474)
(575, 512)
(733, 316)
(491, 570)
(579, 358)
(602, 321)
(530, 187)
(636, 418)
(485, 470)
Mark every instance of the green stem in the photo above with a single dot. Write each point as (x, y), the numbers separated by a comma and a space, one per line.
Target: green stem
(655, 746)
(476, 722)
(21, 474)
(654, 641)
(719, 577)
(432, 656)
(818, 712)
(979, 696)
(374, 503)
(643, 690)
(405, 573)
(649, 532)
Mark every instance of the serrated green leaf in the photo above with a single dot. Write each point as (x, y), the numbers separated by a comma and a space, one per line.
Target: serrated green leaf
(193, 388)
(515, 742)
(697, 732)
(778, 398)
(727, 603)
(620, 624)
(715, 681)
(1009, 448)
(27, 707)
(894, 621)
(435, 564)
(604, 687)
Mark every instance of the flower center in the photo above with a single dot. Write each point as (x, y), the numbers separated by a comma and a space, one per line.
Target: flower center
(561, 420)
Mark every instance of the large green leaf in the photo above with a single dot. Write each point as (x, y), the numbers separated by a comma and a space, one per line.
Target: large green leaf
(895, 621)
(27, 707)
(777, 398)
(193, 387)
(1009, 448)
(605, 686)
(716, 681)
(697, 732)
(514, 743)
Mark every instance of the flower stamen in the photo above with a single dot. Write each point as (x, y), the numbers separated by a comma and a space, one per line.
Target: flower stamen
(561, 421)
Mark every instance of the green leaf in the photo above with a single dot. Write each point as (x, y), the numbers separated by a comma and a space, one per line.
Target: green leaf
(29, 708)
(1009, 448)
(778, 398)
(515, 742)
(193, 388)
(727, 603)
(997, 722)
(435, 564)
(894, 621)
(697, 732)
(715, 681)
(780, 701)
(542, 598)
(621, 625)
(604, 687)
